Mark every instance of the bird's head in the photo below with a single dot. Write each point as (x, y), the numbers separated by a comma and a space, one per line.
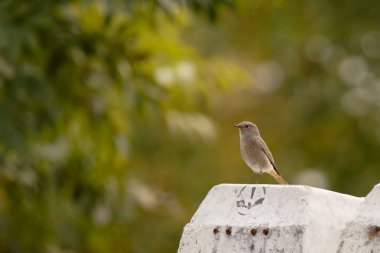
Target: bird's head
(246, 127)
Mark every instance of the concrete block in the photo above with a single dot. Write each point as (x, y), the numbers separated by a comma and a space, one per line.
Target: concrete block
(268, 218)
(362, 234)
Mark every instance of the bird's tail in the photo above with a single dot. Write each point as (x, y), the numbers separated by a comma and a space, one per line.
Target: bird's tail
(277, 176)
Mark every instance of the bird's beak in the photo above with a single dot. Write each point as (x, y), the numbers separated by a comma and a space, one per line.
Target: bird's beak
(237, 126)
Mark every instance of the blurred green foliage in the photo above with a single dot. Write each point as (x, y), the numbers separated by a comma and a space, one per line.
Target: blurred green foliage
(117, 116)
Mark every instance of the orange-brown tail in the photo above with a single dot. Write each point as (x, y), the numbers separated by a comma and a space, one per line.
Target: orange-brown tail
(277, 176)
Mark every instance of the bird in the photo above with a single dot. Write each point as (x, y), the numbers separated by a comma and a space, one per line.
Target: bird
(255, 152)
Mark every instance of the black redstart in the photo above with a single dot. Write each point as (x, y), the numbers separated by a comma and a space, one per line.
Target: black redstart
(255, 152)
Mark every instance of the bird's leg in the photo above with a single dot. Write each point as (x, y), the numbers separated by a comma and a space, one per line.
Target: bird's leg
(254, 178)
(258, 176)
(251, 179)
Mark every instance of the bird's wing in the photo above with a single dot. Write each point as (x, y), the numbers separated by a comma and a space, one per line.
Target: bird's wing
(264, 148)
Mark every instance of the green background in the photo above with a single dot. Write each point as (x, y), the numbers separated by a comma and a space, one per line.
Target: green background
(116, 117)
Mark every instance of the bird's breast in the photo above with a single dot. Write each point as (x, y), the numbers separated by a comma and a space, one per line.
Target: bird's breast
(253, 156)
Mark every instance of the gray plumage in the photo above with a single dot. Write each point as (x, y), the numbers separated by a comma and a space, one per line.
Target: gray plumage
(255, 152)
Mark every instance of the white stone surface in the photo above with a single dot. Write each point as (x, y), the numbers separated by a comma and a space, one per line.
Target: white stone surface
(297, 219)
(363, 233)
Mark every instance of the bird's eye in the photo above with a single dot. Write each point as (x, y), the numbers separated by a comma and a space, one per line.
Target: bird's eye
(246, 126)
